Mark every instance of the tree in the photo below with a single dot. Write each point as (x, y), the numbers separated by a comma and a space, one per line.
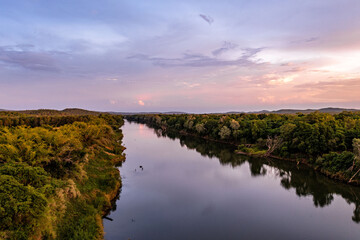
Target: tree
(225, 132)
(158, 120)
(200, 127)
(356, 147)
(273, 143)
(234, 124)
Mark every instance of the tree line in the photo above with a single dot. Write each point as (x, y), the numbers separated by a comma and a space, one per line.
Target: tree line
(328, 142)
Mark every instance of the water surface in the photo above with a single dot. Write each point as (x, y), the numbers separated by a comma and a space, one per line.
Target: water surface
(189, 188)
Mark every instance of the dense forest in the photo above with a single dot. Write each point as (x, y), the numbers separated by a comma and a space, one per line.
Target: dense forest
(58, 173)
(328, 142)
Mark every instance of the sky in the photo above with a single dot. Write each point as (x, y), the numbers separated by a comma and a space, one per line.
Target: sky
(194, 56)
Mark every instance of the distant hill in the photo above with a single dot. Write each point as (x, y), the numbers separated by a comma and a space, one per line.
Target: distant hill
(79, 111)
(281, 111)
(67, 111)
(141, 113)
(293, 111)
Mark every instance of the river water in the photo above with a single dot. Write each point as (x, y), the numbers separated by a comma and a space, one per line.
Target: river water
(189, 188)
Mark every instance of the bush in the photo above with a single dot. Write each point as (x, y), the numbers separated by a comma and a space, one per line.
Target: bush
(336, 162)
(20, 205)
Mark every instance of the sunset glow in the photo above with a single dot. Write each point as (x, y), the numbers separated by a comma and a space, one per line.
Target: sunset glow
(201, 56)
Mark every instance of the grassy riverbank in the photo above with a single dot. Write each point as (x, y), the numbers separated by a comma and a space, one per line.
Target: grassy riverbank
(327, 142)
(58, 174)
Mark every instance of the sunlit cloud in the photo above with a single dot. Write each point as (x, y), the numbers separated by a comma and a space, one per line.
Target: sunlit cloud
(141, 103)
(112, 79)
(267, 99)
(275, 79)
(189, 85)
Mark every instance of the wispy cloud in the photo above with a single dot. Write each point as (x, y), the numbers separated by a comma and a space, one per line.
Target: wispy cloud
(189, 85)
(328, 85)
(207, 18)
(226, 47)
(342, 90)
(24, 56)
(199, 60)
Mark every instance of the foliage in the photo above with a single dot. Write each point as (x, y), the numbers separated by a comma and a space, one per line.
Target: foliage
(20, 205)
(356, 146)
(51, 164)
(225, 132)
(336, 162)
(318, 137)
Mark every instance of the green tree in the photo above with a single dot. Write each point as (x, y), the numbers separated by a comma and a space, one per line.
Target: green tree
(225, 132)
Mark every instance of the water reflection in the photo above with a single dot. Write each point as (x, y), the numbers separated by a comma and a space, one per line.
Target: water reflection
(304, 180)
(190, 188)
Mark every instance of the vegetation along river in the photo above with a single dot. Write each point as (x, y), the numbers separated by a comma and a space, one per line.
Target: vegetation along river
(182, 187)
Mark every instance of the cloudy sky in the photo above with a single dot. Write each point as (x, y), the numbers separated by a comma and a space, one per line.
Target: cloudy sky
(196, 56)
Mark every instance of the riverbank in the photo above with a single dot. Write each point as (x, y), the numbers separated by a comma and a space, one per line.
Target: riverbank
(335, 176)
(59, 180)
(324, 142)
(98, 194)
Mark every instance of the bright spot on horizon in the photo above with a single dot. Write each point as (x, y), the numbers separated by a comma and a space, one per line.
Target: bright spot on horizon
(141, 103)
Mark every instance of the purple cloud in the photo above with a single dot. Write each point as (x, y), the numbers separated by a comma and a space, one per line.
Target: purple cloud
(226, 47)
(207, 18)
(199, 60)
(24, 56)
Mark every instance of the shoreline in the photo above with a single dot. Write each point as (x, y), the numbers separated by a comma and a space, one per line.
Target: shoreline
(334, 176)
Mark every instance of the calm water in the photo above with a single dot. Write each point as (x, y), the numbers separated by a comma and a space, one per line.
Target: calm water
(193, 189)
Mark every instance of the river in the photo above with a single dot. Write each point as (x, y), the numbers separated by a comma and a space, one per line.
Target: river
(181, 187)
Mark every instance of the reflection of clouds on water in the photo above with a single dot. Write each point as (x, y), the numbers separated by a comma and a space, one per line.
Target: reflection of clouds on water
(305, 181)
(207, 210)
